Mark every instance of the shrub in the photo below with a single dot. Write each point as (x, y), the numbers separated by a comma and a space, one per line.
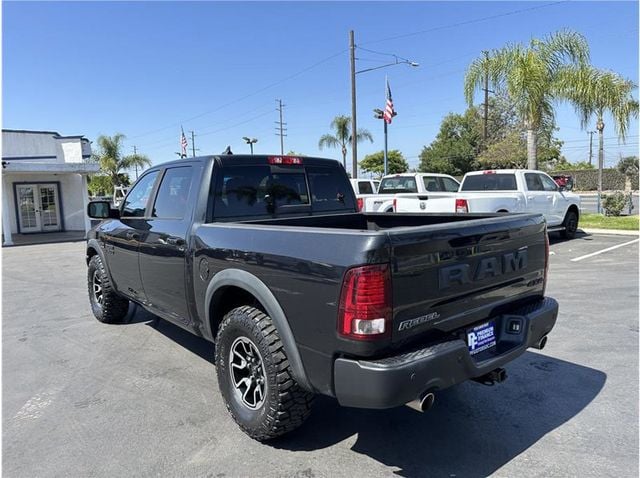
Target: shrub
(614, 203)
(587, 179)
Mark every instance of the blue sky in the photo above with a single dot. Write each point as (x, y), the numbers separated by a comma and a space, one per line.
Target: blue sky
(146, 68)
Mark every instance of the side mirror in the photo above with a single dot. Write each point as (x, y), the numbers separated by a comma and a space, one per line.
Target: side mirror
(101, 210)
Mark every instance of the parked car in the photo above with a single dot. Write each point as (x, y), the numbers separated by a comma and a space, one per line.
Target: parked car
(564, 181)
(268, 257)
(365, 186)
(428, 186)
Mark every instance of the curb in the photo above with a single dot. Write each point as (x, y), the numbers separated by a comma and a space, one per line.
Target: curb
(612, 232)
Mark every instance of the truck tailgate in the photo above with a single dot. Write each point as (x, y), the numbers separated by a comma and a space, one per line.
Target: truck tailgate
(447, 277)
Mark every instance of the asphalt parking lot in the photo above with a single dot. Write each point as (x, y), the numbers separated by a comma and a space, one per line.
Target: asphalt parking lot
(140, 399)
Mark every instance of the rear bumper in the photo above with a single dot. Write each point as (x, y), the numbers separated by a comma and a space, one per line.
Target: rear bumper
(396, 380)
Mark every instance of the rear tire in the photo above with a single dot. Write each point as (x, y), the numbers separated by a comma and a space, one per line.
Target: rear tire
(107, 306)
(570, 225)
(255, 377)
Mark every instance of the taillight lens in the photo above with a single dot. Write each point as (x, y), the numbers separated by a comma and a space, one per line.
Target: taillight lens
(462, 205)
(546, 260)
(286, 160)
(395, 204)
(360, 202)
(365, 311)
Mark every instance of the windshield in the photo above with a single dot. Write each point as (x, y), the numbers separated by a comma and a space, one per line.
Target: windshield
(398, 184)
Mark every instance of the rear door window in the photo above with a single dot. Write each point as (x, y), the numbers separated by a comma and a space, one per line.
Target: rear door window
(490, 182)
(431, 183)
(173, 193)
(364, 187)
(533, 182)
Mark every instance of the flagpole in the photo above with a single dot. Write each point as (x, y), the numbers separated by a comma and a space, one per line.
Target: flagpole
(386, 92)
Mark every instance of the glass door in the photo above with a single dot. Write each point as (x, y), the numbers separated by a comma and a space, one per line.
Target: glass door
(28, 210)
(49, 209)
(38, 207)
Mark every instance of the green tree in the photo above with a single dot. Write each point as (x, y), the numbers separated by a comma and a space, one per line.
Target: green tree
(529, 77)
(456, 145)
(102, 185)
(628, 166)
(564, 165)
(374, 163)
(594, 92)
(508, 153)
(111, 160)
(342, 137)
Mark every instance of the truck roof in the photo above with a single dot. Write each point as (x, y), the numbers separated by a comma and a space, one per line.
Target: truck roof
(414, 175)
(248, 160)
(502, 171)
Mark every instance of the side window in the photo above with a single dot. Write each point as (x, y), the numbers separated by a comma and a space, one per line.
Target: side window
(450, 185)
(135, 203)
(533, 182)
(171, 201)
(365, 187)
(431, 183)
(547, 183)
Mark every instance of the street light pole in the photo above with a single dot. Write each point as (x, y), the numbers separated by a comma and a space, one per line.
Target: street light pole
(250, 142)
(354, 126)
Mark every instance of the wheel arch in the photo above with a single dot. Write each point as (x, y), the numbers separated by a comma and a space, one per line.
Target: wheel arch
(94, 249)
(573, 208)
(231, 288)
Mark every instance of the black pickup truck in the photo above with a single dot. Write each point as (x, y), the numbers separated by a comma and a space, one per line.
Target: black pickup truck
(269, 258)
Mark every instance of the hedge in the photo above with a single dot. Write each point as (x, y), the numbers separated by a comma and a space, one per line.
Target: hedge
(587, 179)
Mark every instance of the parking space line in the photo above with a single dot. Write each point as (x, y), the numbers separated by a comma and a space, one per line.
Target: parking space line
(604, 250)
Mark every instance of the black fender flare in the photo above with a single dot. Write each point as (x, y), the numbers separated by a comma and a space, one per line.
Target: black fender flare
(95, 245)
(250, 283)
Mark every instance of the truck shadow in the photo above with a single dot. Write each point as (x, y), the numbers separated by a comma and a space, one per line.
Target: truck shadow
(472, 430)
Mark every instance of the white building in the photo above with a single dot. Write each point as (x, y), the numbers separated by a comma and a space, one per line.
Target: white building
(44, 182)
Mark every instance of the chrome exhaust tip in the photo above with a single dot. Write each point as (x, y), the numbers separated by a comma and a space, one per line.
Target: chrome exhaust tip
(540, 344)
(423, 402)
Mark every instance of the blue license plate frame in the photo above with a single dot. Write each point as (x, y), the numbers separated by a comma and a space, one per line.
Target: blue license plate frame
(481, 337)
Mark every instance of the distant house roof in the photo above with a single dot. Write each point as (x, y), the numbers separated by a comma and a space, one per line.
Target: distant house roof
(55, 134)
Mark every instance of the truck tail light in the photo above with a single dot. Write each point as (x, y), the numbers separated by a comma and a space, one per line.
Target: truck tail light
(286, 160)
(364, 312)
(395, 204)
(546, 260)
(462, 205)
(360, 202)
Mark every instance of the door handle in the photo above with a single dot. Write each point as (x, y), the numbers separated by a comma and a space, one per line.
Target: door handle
(132, 235)
(530, 198)
(175, 241)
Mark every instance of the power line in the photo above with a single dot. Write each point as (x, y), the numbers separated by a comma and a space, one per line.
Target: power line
(249, 95)
(466, 22)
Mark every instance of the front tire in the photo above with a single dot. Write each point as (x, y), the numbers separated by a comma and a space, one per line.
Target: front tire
(255, 377)
(107, 306)
(570, 225)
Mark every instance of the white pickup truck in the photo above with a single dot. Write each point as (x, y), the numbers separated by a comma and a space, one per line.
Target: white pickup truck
(433, 192)
(511, 190)
(364, 186)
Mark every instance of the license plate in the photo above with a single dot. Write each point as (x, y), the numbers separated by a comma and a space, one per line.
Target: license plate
(481, 337)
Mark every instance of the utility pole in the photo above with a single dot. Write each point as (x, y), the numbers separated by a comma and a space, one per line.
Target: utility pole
(354, 126)
(135, 153)
(590, 146)
(193, 144)
(486, 95)
(281, 130)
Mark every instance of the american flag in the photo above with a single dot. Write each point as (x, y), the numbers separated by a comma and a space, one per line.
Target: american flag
(183, 143)
(389, 113)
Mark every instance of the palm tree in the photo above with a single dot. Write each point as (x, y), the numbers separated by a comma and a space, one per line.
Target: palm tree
(594, 92)
(111, 160)
(529, 76)
(342, 126)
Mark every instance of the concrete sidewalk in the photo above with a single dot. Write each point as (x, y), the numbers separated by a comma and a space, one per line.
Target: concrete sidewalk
(617, 232)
